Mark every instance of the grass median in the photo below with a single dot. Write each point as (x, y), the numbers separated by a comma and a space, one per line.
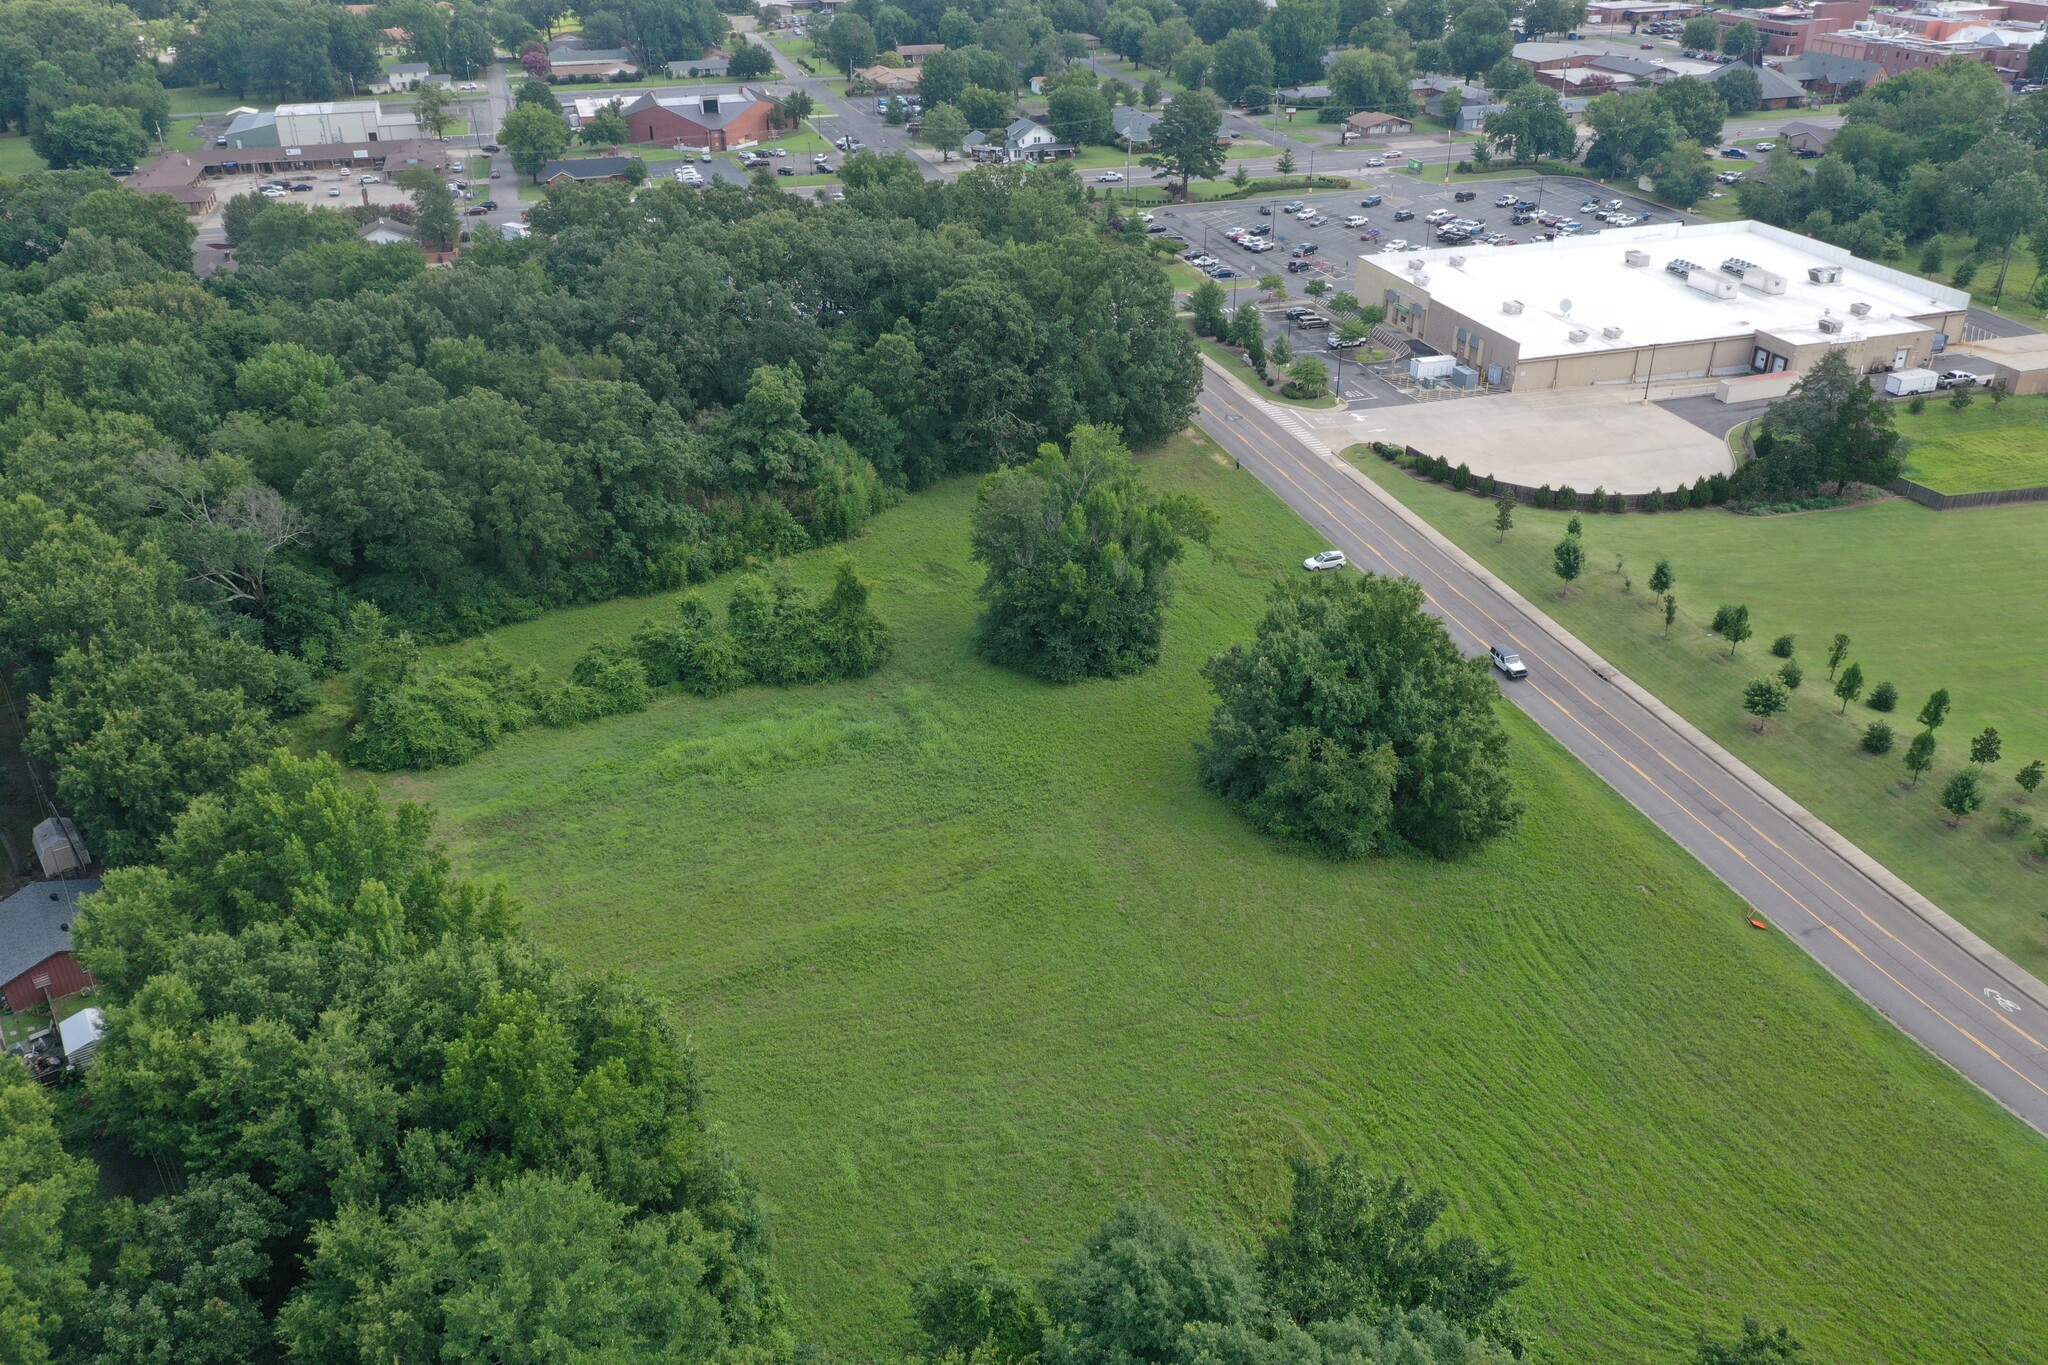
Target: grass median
(971, 959)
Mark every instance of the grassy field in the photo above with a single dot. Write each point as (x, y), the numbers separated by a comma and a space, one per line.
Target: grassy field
(202, 99)
(1975, 626)
(1987, 445)
(971, 959)
(16, 156)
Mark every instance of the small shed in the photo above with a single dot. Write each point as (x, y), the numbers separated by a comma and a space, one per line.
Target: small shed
(79, 1035)
(60, 848)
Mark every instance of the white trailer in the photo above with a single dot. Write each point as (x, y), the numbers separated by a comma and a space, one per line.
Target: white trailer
(1904, 383)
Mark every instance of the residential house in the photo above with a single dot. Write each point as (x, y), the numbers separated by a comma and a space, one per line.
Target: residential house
(400, 76)
(36, 963)
(887, 80)
(1829, 74)
(1541, 57)
(385, 231)
(1467, 112)
(1024, 140)
(1313, 96)
(1371, 125)
(1132, 125)
(717, 120)
(915, 53)
(587, 168)
(1807, 139)
(1779, 90)
(694, 67)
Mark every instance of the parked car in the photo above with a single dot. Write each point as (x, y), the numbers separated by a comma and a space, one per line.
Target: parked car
(1404, 215)
(334, 191)
(474, 211)
(1465, 196)
(1292, 206)
(1506, 201)
(1265, 210)
(1314, 322)
(1371, 201)
(1396, 245)
(1297, 313)
(1305, 249)
(1735, 153)
(1356, 220)
(492, 147)
(1766, 146)
(1507, 661)
(1960, 379)
(1326, 559)
(1222, 272)
(1262, 229)
(373, 180)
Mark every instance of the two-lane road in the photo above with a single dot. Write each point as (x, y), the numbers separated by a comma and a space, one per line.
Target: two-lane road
(1987, 1020)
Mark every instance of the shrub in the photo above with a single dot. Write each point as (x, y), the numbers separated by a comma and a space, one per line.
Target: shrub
(1878, 738)
(1884, 697)
(1792, 674)
(1782, 646)
(1701, 495)
(1617, 502)
(1965, 273)
(1487, 488)
(1722, 616)
(692, 652)
(2013, 823)
(1675, 500)
(1917, 404)
(1717, 490)
(1566, 498)
(1440, 469)
(2041, 844)
(1461, 477)
(435, 719)
(614, 676)
(1653, 500)
(1541, 497)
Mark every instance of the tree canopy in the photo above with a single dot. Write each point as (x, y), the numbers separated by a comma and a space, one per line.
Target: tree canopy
(1352, 724)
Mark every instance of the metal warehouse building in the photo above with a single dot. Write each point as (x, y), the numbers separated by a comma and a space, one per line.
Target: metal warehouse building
(1664, 301)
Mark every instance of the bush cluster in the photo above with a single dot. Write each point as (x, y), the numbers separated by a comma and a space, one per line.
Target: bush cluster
(777, 634)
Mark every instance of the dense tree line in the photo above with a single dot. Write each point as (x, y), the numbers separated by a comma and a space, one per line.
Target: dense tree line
(204, 480)
(390, 1128)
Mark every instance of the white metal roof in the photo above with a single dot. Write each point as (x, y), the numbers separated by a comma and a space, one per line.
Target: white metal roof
(1584, 284)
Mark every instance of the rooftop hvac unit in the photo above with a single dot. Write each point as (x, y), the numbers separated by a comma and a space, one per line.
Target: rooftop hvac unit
(1636, 259)
(1712, 283)
(1831, 325)
(1611, 333)
(1763, 281)
(1824, 274)
(1861, 310)
(1421, 279)
(1680, 268)
(1511, 306)
(1576, 335)
(1456, 261)
(1416, 263)
(1737, 267)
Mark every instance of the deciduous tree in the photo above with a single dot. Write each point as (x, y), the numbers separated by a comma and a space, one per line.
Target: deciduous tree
(1962, 796)
(1985, 747)
(1920, 755)
(1184, 141)
(1351, 724)
(1849, 685)
(1568, 561)
(1935, 711)
(1764, 698)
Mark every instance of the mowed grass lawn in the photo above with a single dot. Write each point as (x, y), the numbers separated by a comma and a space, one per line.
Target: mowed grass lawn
(1985, 446)
(1928, 599)
(971, 959)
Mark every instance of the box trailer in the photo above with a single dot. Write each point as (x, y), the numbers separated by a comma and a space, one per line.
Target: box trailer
(1904, 383)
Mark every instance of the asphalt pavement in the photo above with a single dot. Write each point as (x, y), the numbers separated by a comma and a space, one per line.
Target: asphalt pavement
(1944, 988)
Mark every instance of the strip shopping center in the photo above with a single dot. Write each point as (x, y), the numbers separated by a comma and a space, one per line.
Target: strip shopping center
(1667, 301)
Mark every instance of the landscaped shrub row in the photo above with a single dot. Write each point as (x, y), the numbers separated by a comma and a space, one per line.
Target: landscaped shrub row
(1711, 491)
(775, 634)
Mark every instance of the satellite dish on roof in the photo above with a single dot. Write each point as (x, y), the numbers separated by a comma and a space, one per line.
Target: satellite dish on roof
(1564, 305)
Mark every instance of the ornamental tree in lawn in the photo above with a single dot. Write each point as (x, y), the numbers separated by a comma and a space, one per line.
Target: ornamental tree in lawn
(1920, 755)
(1184, 140)
(1849, 686)
(1661, 577)
(1503, 518)
(1962, 796)
(1764, 698)
(1568, 561)
(1985, 748)
(2030, 776)
(1353, 725)
(1838, 650)
(1079, 556)
(1935, 711)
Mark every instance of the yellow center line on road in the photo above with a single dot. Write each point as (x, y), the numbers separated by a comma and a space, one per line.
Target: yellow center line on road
(1226, 402)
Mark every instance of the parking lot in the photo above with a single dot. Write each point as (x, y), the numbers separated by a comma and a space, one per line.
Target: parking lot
(1338, 246)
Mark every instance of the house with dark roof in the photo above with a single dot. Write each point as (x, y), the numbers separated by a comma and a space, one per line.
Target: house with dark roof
(1830, 73)
(1132, 124)
(1312, 95)
(1779, 90)
(587, 168)
(915, 53)
(1807, 139)
(35, 942)
(693, 67)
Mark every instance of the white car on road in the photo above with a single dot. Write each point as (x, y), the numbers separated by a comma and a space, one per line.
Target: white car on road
(1328, 559)
(1110, 178)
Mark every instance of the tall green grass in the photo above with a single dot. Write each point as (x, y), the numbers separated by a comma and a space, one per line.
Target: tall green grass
(971, 959)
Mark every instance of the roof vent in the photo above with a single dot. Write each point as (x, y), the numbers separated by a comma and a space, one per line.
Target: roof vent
(1416, 263)
(1576, 335)
(1611, 333)
(1637, 259)
(1824, 274)
(1831, 325)
(1861, 310)
(1456, 261)
(1511, 306)
(1421, 279)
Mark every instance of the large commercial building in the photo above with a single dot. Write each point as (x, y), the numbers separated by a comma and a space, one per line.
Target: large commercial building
(717, 120)
(1665, 302)
(303, 125)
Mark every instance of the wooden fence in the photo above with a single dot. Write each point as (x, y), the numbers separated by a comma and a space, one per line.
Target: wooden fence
(1949, 502)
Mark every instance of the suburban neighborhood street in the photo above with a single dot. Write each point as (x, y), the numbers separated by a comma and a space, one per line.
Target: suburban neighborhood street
(1952, 993)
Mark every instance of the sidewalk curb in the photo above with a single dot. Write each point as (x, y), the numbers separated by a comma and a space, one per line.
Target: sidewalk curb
(1991, 959)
